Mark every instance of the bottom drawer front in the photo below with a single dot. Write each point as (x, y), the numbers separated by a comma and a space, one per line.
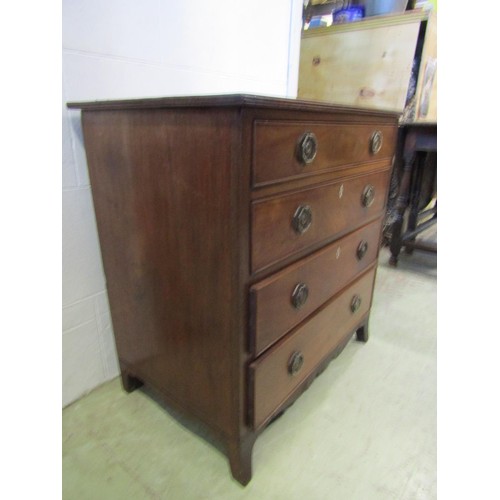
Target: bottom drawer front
(278, 373)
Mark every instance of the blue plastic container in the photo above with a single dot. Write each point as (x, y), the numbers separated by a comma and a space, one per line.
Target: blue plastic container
(381, 7)
(349, 15)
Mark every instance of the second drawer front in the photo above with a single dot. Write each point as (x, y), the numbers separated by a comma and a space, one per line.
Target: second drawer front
(278, 373)
(285, 225)
(283, 300)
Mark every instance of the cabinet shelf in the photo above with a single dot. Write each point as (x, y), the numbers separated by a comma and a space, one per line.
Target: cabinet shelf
(410, 16)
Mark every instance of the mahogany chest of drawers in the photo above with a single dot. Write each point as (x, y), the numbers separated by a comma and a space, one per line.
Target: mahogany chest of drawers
(239, 237)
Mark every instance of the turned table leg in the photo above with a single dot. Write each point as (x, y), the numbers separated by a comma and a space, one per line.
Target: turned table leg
(401, 205)
(415, 190)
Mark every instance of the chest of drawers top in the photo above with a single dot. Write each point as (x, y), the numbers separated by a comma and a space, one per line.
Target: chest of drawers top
(239, 236)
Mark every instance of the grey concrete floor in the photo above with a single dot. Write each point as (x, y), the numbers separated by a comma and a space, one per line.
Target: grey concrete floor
(365, 429)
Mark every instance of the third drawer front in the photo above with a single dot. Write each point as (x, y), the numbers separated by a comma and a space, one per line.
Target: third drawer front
(276, 374)
(283, 300)
(285, 225)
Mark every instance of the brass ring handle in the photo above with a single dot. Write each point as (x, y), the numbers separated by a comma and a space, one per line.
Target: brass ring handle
(368, 195)
(299, 295)
(307, 147)
(355, 303)
(295, 363)
(302, 219)
(362, 248)
(376, 141)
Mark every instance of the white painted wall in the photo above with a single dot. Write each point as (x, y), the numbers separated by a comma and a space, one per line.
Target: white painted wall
(131, 48)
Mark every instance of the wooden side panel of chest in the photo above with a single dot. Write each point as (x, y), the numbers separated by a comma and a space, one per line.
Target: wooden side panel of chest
(163, 184)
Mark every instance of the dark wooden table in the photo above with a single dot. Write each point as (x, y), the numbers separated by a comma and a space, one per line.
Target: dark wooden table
(419, 162)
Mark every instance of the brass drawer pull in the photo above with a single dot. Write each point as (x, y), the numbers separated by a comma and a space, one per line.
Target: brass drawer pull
(368, 196)
(355, 303)
(307, 147)
(295, 363)
(362, 248)
(376, 142)
(302, 219)
(299, 295)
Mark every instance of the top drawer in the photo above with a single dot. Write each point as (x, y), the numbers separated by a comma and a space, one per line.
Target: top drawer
(286, 150)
